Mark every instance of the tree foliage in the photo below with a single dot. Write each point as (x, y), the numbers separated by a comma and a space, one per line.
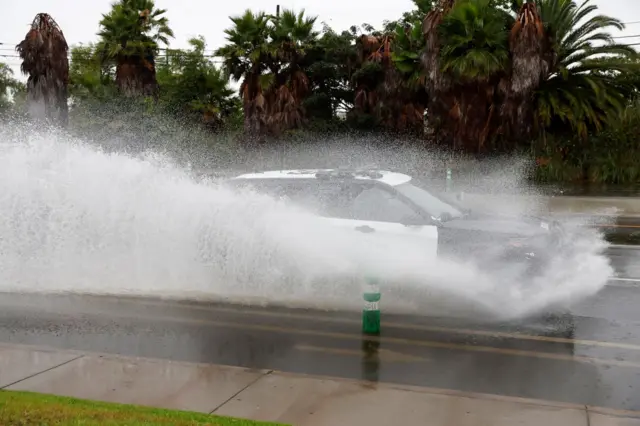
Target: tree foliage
(130, 36)
(9, 88)
(479, 76)
(194, 88)
(268, 54)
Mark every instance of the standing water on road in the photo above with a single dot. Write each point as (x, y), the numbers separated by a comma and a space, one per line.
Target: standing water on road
(77, 219)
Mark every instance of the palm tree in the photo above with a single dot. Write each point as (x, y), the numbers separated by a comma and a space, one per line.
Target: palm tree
(292, 36)
(247, 57)
(130, 37)
(590, 76)
(267, 53)
(494, 74)
(466, 53)
(406, 80)
(389, 81)
(531, 53)
(44, 53)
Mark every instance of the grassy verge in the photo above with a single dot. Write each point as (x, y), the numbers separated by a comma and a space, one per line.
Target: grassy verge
(27, 408)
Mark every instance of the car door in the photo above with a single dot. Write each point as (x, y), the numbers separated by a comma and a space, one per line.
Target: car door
(369, 209)
(374, 211)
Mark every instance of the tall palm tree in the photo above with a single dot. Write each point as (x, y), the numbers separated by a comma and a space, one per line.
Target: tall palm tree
(531, 54)
(247, 57)
(44, 53)
(267, 53)
(406, 80)
(466, 53)
(130, 37)
(292, 36)
(494, 74)
(389, 80)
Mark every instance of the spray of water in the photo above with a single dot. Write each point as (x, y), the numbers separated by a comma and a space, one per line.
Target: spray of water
(78, 219)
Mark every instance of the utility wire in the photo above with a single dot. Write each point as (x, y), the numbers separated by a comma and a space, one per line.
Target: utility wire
(157, 57)
(211, 51)
(624, 23)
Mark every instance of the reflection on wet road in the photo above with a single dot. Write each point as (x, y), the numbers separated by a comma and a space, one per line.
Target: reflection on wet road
(621, 229)
(597, 362)
(626, 261)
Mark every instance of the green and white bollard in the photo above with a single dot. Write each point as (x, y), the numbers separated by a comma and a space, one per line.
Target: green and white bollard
(371, 311)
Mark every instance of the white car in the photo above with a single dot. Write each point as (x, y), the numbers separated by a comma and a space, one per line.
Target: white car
(389, 204)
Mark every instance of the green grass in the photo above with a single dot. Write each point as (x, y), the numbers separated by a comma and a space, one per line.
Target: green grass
(27, 408)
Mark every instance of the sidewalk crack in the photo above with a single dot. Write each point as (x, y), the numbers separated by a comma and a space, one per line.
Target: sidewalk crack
(40, 372)
(240, 391)
(586, 409)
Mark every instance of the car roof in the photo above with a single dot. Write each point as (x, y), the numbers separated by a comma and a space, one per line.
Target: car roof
(382, 176)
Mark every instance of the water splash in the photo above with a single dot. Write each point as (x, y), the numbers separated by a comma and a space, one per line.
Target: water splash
(77, 219)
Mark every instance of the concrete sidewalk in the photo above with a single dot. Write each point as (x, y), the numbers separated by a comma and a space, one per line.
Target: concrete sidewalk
(277, 396)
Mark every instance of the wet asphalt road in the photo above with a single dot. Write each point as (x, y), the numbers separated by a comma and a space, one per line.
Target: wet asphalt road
(596, 363)
(625, 260)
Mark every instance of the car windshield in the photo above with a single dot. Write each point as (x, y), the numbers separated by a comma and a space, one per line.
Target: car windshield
(429, 202)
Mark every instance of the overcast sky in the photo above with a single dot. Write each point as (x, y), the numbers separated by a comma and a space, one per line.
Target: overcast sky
(79, 18)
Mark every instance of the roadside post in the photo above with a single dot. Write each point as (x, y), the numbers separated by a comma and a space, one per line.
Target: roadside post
(449, 181)
(371, 311)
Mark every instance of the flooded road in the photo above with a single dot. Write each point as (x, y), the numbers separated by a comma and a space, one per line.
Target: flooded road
(596, 363)
(625, 260)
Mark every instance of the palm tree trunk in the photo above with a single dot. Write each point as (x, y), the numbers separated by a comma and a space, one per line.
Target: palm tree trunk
(464, 120)
(136, 76)
(529, 65)
(254, 108)
(443, 113)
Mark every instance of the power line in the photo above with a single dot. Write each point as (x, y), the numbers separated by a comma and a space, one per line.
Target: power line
(157, 57)
(624, 23)
(211, 51)
(212, 55)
